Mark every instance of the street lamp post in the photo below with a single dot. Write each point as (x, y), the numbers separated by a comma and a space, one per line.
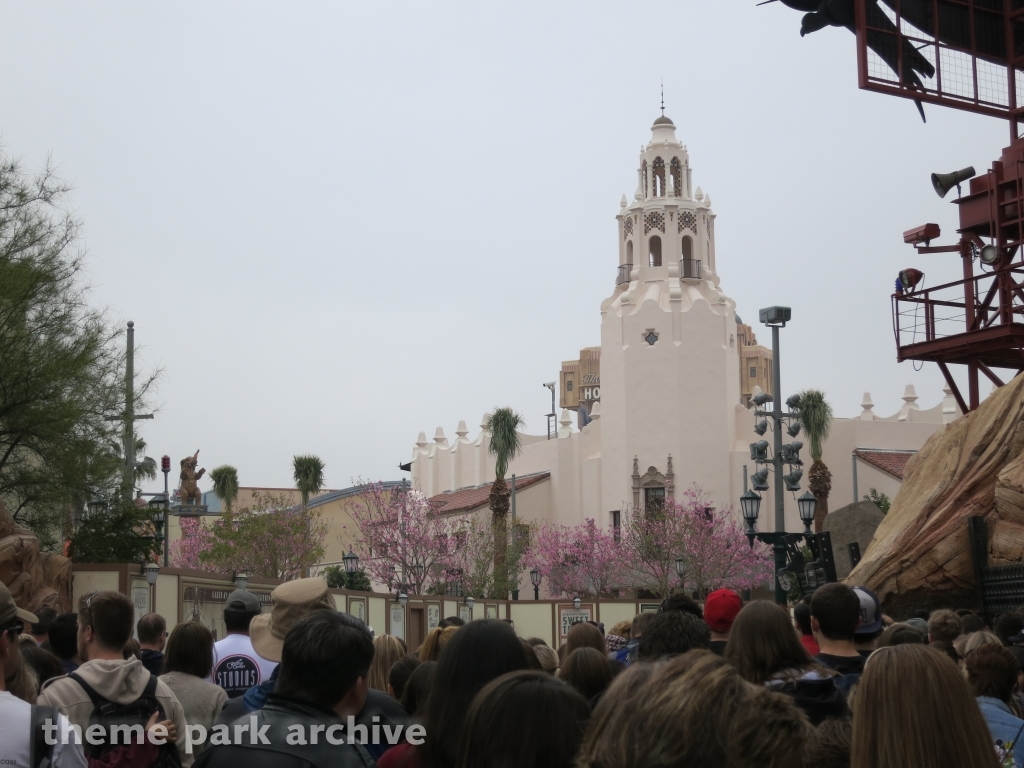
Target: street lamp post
(535, 580)
(681, 572)
(776, 318)
(165, 467)
(152, 573)
(351, 561)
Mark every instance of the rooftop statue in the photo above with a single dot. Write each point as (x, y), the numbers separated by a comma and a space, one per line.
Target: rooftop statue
(188, 491)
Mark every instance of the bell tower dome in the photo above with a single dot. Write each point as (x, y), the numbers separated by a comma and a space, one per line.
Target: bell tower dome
(666, 228)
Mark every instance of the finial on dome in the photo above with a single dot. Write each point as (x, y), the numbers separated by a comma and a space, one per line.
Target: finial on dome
(622, 202)
(699, 195)
(662, 98)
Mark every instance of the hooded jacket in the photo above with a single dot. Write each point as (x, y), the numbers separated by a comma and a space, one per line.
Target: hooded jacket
(816, 694)
(115, 680)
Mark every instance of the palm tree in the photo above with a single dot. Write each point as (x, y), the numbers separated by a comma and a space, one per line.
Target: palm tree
(308, 472)
(505, 445)
(145, 466)
(816, 420)
(225, 485)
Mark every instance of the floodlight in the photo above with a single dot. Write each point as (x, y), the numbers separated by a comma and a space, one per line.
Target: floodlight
(794, 429)
(759, 480)
(761, 427)
(792, 480)
(761, 398)
(989, 255)
(759, 451)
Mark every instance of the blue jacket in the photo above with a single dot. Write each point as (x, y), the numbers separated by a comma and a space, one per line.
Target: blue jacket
(1007, 730)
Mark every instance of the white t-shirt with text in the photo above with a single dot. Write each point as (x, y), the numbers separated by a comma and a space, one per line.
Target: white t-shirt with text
(237, 667)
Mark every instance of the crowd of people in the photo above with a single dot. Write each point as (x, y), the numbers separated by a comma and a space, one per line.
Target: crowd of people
(832, 684)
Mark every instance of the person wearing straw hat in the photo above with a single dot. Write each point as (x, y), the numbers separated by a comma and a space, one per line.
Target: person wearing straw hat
(291, 601)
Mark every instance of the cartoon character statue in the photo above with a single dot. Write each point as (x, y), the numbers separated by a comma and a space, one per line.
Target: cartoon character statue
(188, 491)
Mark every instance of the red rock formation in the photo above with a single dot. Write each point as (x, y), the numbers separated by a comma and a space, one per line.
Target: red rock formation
(35, 578)
(975, 466)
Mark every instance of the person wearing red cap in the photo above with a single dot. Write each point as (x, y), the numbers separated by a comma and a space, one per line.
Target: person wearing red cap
(720, 609)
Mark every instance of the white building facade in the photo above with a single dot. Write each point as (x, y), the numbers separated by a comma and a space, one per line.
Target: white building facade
(670, 412)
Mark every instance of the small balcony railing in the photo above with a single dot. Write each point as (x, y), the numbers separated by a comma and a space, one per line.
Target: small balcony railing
(623, 274)
(689, 269)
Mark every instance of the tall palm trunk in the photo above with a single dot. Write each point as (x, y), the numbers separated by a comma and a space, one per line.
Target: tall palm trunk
(820, 481)
(499, 503)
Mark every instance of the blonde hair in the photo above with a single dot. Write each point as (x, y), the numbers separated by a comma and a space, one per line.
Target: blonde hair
(548, 658)
(387, 649)
(436, 640)
(977, 639)
(913, 709)
(622, 629)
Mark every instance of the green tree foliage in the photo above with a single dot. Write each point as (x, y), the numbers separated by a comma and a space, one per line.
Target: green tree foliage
(308, 473)
(122, 533)
(272, 539)
(504, 445)
(880, 500)
(61, 366)
(338, 578)
(225, 485)
(816, 422)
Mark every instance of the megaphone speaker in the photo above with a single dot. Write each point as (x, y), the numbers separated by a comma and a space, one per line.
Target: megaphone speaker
(943, 182)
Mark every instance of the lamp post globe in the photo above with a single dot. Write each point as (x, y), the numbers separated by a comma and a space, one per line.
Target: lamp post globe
(351, 561)
(152, 571)
(577, 603)
(807, 505)
(535, 580)
(470, 602)
(241, 580)
(403, 599)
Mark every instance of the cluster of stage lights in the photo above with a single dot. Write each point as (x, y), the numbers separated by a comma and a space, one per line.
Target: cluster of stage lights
(790, 451)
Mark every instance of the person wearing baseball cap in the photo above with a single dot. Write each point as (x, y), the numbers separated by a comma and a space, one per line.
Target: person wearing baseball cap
(291, 601)
(720, 609)
(237, 667)
(870, 628)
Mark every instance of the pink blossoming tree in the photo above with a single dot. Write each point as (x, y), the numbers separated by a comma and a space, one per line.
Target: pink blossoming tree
(711, 542)
(400, 540)
(582, 560)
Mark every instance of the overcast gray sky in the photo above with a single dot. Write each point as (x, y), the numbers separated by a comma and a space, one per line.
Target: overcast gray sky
(338, 224)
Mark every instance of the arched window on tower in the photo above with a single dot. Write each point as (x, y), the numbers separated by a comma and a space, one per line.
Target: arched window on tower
(643, 169)
(676, 169)
(654, 254)
(629, 252)
(659, 177)
(687, 247)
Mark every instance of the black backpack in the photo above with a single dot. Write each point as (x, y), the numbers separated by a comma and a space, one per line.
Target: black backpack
(109, 713)
(42, 752)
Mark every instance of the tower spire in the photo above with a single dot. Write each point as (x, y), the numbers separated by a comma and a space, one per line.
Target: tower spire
(662, 98)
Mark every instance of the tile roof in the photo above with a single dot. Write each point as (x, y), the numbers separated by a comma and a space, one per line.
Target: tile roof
(890, 462)
(465, 499)
(329, 496)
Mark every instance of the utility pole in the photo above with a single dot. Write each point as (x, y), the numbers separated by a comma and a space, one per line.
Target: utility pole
(128, 418)
(777, 482)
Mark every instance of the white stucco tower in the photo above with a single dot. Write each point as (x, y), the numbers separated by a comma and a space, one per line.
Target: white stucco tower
(668, 341)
